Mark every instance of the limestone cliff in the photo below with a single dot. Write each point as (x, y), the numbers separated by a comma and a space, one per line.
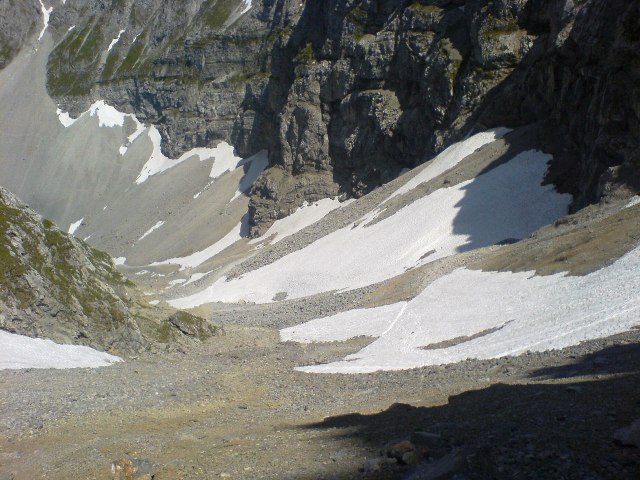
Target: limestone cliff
(346, 93)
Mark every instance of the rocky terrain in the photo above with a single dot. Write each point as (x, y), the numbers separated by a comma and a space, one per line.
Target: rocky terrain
(58, 287)
(379, 154)
(234, 408)
(344, 95)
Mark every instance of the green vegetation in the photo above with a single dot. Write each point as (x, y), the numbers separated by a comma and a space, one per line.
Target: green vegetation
(306, 55)
(497, 28)
(425, 9)
(72, 62)
(217, 12)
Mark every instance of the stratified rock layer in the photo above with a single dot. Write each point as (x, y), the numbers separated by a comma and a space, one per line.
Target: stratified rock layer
(344, 94)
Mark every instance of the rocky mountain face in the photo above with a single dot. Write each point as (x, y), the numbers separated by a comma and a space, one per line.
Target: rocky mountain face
(344, 94)
(56, 286)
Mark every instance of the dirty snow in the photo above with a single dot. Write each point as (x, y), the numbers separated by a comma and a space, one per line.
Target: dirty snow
(18, 351)
(494, 314)
(74, 226)
(506, 202)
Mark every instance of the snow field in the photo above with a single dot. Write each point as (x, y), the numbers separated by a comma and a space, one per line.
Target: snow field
(485, 315)
(298, 220)
(18, 351)
(506, 202)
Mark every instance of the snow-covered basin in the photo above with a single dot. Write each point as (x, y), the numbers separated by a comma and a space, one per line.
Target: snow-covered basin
(18, 351)
(473, 314)
(506, 202)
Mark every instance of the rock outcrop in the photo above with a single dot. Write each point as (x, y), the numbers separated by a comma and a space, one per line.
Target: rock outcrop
(344, 94)
(55, 286)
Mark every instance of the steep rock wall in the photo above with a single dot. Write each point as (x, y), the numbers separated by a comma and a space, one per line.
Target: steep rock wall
(344, 94)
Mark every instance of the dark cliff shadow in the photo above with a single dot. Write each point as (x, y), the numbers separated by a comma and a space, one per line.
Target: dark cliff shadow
(537, 429)
(506, 202)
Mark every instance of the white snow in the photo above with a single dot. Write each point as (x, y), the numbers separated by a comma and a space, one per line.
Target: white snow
(18, 351)
(140, 128)
(74, 226)
(197, 276)
(247, 7)
(198, 258)
(449, 158)
(107, 115)
(46, 12)
(151, 230)
(635, 200)
(224, 160)
(301, 218)
(65, 118)
(508, 313)
(119, 260)
(154, 302)
(175, 282)
(115, 40)
(257, 163)
(71, 27)
(370, 322)
(506, 202)
(158, 163)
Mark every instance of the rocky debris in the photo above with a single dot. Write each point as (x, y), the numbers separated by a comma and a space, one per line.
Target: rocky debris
(133, 469)
(192, 326)
(628, 436)
(19, 20)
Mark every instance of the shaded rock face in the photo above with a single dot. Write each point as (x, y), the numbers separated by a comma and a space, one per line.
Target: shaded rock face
(53, 285)
(344, 94)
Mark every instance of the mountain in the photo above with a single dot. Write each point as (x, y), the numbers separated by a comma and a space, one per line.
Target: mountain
(58, 287)
(284, 162)
(344, 95)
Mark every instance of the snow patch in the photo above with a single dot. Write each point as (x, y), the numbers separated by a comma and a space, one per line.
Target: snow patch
(505, 202)
(633, 202)
(107, 115)
(151, 230)
(198, 258)
(120, 260)
(370, 322)
(247, 7)
(197, 276)
(115, 40)
(472, 314)
(449, 158)
(18, 351)
(65, 118)
(158, 163)
(74, 226)
(303, 217)
(46, 13)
